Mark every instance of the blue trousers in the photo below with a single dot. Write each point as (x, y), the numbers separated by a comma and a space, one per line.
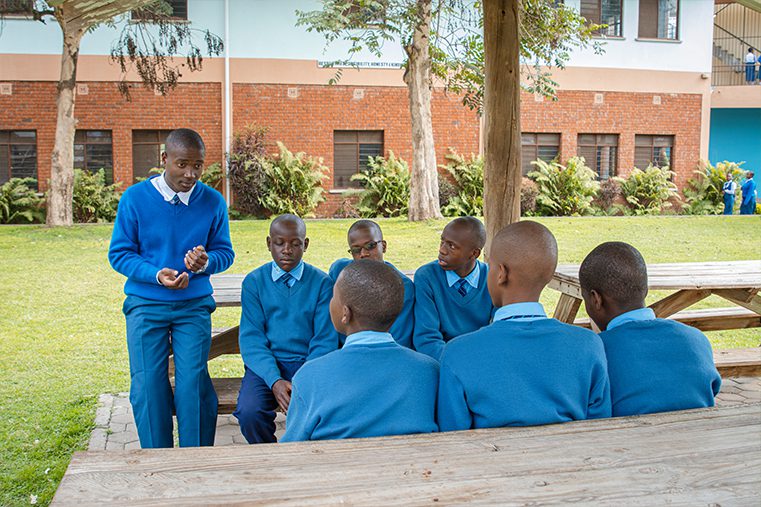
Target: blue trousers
(729, 204)
(750, 72)
(150, 327)
(256, 404)
(748, 208)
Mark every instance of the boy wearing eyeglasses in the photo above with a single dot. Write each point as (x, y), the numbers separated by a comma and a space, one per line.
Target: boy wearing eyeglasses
(366, 242)
(451, 298)
(285, 321)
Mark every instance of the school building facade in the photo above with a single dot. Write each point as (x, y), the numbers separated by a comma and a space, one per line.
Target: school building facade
(647, 98)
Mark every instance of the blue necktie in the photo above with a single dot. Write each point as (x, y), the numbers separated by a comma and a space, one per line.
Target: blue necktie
(461, 283)
(288, 280)
(175, 199)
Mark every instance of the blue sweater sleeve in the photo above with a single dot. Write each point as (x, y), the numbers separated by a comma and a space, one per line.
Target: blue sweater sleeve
(325, 338)
(299, 424)
(452, 411)
(123, 253)
(600, 405)
(427, 336)
(219, 247)
(254, 348)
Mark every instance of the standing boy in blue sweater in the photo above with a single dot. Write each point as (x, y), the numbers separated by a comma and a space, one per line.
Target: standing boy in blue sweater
(285, 321)
(450, 293)
(524, 369)
(366, 242)
(373, 386)
(171, 233)
(655, 365)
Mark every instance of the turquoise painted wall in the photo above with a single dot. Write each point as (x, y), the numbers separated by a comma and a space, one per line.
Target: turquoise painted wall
(736, 136)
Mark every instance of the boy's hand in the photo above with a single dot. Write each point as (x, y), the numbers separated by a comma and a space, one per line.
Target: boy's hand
(282, 391)
(170, 279)
(196, 259)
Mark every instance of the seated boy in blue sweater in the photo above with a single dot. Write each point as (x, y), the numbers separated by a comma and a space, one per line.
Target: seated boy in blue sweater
(373, 386)
(450, 293)
(655, 365)
(171, 233)
(524, 369)
(366, 242)
(284, 322)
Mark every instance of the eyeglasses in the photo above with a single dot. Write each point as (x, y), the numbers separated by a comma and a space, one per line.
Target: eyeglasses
(372, 245)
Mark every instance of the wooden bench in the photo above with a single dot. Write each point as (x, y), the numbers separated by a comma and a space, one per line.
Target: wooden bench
(708, 319)
(706, 457)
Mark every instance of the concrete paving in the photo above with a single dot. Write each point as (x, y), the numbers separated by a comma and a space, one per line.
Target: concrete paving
(115, 426)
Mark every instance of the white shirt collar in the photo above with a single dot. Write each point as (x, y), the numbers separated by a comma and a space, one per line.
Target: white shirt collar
(166, 191)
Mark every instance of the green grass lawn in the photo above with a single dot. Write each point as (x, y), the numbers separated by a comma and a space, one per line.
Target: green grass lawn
(63, 337)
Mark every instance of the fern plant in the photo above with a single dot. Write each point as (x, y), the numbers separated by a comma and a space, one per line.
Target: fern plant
(19, 202)
(703, 193)
(648, 192)
(385, 187)
(564, 190)
(292, 183)
(94, 200)
(468, 176)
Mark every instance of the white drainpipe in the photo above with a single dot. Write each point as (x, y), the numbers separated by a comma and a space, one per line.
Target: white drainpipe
(228, 103)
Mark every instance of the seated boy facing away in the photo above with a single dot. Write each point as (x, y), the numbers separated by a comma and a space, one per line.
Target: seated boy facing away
(284, 322)
(655, 365)
(524, 369)
(366, 242)
(451, 298)
(372, 386)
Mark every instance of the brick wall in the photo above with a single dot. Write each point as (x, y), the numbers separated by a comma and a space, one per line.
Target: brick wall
(306, 122)
(625, 114)
(32, 106)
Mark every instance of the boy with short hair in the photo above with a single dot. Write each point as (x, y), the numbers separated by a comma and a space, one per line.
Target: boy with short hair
(655, 365)
(284, 322)
(366, 242)
(451, 298)
(373, 386)
(524, 369)
(171, 233)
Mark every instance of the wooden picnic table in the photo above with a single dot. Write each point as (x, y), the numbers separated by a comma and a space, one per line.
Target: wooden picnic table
(738, 282)
(695, 457)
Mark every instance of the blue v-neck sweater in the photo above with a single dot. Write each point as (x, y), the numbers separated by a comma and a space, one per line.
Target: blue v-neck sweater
(278, 323)
(151, 233)
(441, 313)
(659, 365)
(515, 373)
(404, 324)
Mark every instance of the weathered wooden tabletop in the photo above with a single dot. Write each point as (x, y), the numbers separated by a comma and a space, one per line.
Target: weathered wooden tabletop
(700, 457)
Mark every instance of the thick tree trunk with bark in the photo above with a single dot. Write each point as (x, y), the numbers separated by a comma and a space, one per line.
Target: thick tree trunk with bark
(424, 181)
(502, 126)
(60, 190)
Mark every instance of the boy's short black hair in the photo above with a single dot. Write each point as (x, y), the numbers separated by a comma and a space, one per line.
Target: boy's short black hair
(365, 224)
(476, 228)
(289, 218)
(185, 138)
(616, 270)
(374, 292)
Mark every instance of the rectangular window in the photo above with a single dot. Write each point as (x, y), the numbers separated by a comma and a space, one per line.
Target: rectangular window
(656, 150)
(17, 7)
(93, 150)
(351, 149)
(659, 19)
(604, 12)
(179, 10)
(600, 151)
(18, 154)
(147, 146)
(538, 147)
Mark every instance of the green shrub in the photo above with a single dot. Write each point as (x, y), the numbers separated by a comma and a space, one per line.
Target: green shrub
(247, 175)
(94, 200)
(529, 193)
(292, 183)
(468, 177)
(19, 202)
(385, 187)
(564, 190)
(213, 176)
(648, 192)
(604, 202)
(703, 193)
(446, 190)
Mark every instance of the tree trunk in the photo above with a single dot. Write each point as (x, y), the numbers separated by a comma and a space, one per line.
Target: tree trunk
(60, 190)
(502, 115)
(424, 181)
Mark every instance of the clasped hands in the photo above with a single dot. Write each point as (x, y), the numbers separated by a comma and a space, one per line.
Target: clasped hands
(195, 260)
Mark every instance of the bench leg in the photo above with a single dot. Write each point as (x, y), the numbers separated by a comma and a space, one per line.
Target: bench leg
(747, 298)
(567, 308)
(678, 301)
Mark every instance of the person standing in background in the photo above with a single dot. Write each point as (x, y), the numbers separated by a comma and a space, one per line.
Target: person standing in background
(728, 189)
(750, 67)
(749, 195)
